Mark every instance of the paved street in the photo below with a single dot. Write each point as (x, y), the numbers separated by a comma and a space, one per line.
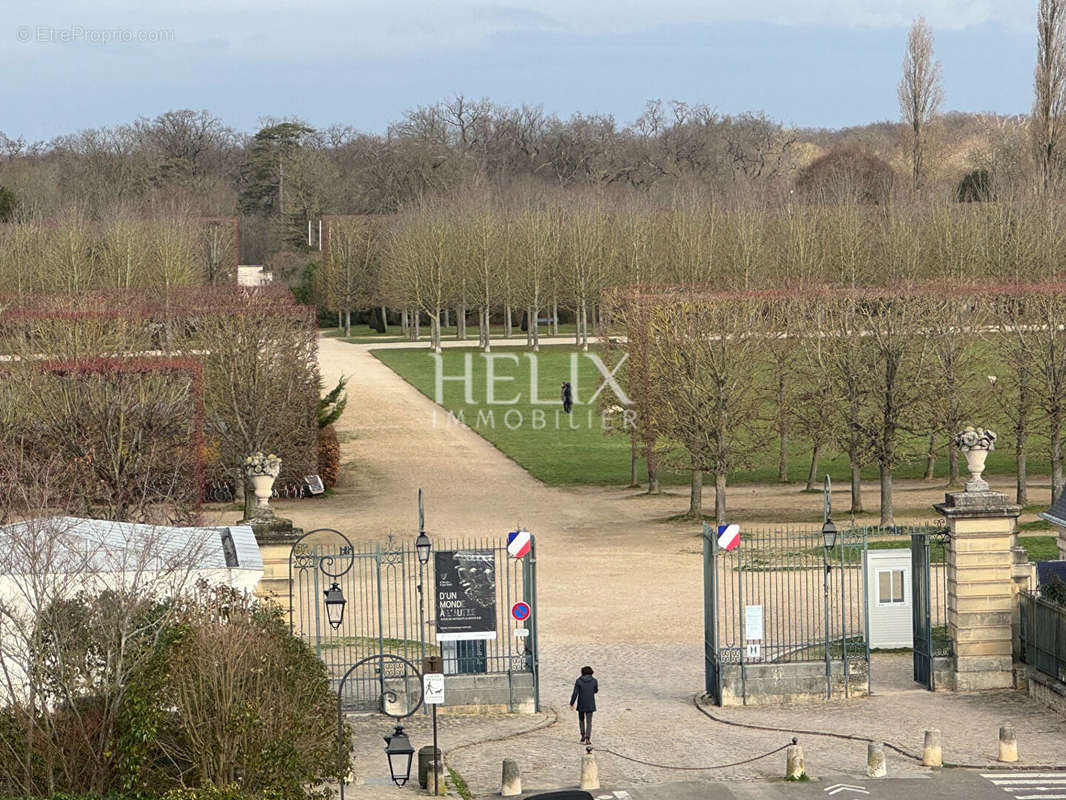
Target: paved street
(944, 785)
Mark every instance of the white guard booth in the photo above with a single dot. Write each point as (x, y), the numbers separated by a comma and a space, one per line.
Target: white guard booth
(888, 578)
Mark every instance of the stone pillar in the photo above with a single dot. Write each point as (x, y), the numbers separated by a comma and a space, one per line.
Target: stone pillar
(981, 586)
(275, 537)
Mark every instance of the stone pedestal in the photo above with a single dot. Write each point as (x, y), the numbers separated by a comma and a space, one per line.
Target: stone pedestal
(275, 536)
(981, 587)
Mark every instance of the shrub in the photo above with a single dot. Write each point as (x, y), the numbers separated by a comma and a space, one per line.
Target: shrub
(1054, 591)
(329, 456)
(847, 173)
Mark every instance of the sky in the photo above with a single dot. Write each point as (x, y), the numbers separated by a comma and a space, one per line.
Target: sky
(67, 65)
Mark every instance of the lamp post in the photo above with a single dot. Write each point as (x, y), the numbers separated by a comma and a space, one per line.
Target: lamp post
(422, 547)
(326, 563)
(397, 745)
(829, 540)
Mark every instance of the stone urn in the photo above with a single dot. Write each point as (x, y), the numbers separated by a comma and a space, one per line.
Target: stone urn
(975, 444)
(262, 470)
(263, 485)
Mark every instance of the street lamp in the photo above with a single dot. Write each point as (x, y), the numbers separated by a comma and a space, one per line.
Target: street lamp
(829, 541)
(335, 603)
(397, 745)
(422, 547)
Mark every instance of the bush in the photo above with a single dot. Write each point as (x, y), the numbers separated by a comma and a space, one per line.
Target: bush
(329, 456)
(847, 173)
(1054, 591)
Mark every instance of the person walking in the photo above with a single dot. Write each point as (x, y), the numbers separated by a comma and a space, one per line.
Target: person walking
(568, 397)
(585, 689)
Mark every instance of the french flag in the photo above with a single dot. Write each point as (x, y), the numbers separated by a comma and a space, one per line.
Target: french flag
(518, 543)
(728, 536)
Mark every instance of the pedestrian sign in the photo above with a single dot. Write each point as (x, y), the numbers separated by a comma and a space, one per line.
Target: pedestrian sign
(520, 611)
(433, 688)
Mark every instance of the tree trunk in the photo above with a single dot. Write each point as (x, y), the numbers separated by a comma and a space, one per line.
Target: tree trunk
(347, 323)
(653, 478)
(405, 327)
(529, 328)
(856, 488)
(555, 318)
(435, 332)
(447, 318)
(812, 473)
(418, 325)
(1055, 440)
(953, 466)
(584, 326)
(249, 499)
(887, 516)
(486, 331)
(930, 458)
(719, 499)
(533, 326)
(340, 320)
(695, 495)
(384, 320)
(634, 459)
(782, 430)
(460, 323)
(507, 321)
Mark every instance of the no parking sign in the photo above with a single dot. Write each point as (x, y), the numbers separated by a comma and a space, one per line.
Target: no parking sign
(520, 611)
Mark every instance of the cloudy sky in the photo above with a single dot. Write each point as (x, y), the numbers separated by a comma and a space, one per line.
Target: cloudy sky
(70, 65)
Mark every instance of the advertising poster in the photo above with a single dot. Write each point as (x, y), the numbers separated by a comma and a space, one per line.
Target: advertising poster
(466, 595)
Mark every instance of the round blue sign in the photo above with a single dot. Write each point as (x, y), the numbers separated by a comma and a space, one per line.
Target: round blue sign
(520, 611)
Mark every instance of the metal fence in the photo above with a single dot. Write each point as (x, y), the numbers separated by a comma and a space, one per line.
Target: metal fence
(1043, 635)
(806, 602)
(389, 609)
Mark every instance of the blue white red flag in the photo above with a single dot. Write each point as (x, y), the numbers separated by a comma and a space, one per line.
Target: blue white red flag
(518, 543)
(728, 536)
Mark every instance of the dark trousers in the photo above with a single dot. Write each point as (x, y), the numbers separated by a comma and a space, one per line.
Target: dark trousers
(584, 722)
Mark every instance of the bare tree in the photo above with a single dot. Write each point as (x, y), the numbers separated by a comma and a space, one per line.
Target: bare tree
(1049, 86)
(920, 93)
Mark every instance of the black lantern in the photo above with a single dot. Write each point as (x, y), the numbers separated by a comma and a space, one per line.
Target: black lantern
(829, 535)
(396, 747)
(423, 546)
(335, 603)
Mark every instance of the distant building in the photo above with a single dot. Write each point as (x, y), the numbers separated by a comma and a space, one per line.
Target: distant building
(253, 275)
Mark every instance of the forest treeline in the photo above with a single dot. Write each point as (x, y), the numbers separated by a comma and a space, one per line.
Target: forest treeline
(289, 173)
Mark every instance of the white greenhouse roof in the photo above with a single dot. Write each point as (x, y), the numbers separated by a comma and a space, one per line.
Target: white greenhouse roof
(75, 544)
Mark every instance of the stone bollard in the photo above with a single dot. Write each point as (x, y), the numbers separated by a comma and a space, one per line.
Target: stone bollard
(1008, 743)
(794, 766)
(590, 772)
(932, 755)
(511, 785)
(875, 760)
(442, 775)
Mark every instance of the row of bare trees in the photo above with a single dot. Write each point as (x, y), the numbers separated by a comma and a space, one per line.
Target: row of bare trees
(499, 256)
(124, 250)
(882, 375)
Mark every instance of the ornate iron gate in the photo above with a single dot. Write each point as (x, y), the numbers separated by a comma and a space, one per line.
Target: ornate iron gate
(929, 602)
(389, 607)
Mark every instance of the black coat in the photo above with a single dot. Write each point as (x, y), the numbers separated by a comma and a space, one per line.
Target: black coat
(585, 689)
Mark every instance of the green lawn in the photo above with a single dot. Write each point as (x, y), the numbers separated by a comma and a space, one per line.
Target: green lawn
(573, 450)
(364, 334)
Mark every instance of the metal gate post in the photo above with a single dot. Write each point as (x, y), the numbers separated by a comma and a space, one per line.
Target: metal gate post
(529, 591)
(712, 675)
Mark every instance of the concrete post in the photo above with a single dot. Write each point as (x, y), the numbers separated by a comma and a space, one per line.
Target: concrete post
(1008, 743)
(511, 786)
(875, 760)
(932, 756)
(590, 772)
(442, 774)
(794, 766)
(981, 587)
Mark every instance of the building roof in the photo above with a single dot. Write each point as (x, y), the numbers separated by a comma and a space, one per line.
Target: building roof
(1056, 515)
(105, 545)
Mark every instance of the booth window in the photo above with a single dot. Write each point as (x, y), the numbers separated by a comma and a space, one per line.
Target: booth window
(890, 587)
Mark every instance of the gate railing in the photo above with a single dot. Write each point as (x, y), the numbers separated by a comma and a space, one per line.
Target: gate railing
(929, 595)
(782, 573)
(1043, 635)
(382, 611)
